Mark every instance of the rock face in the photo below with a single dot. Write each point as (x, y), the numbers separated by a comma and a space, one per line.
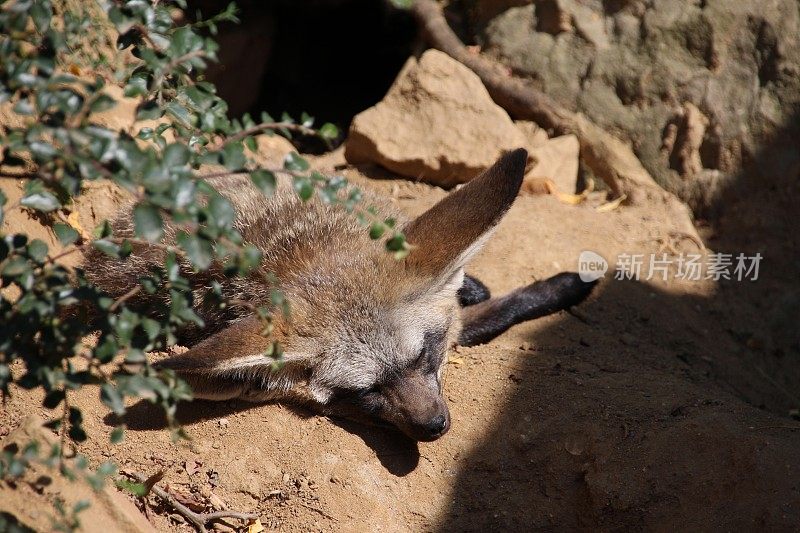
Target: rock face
(717, 79)
(437, 123)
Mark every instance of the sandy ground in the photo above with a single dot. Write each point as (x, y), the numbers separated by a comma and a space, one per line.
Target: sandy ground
(642, 410)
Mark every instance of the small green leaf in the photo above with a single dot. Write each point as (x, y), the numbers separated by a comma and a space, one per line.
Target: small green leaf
(106, 350)
(65, 234)
(137, 86)
(304, 188)
(264, 180)
(103, 102)
(23, 107)
(328, 131)
(180, 113)
(42, 150)
(395, 243)
(221, 210)
(37, 249)
(233, 156)
(148, 223)
(294, 163)
(80, 505)
(107, 247)
(41, 201)
(176, 155)
(137, 489)
(148, 110)
(117, 434)
(110, 396)
(16, 267)
(41, 14)
(199, 251)
(377, 230)
(103, 230)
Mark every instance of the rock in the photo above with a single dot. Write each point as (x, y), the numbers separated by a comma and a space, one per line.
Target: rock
(683, 139)
(630, 66)
(534, 134)
(556, 159)
(109, 510)
(272, 149)
(437, 123)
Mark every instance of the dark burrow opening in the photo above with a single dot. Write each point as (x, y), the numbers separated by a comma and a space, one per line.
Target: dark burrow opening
(329, 58)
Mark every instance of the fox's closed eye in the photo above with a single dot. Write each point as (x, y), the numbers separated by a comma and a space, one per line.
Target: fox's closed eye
(421, 357)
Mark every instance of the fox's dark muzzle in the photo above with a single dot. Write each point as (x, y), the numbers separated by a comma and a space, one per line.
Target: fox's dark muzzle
(435, 428)
(414, 403)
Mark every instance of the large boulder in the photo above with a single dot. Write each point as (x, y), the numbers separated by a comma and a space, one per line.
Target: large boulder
(437, 123)
(721, 78)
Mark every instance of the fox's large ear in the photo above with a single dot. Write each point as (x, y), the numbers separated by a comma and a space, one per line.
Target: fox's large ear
(231, 364)
(447, 235)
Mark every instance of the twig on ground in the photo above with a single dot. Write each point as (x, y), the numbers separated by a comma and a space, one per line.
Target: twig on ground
(198, 520)
(317, 510)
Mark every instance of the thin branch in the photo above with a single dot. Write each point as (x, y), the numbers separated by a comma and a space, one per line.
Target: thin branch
(69, 251)
(148, 244)
(124, 298)
(19, 176)
(182, 59)
(198, 520)
(265, 126)
(227, 173)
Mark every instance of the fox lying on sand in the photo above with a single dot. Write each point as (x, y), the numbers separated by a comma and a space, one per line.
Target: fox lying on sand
(368, 334)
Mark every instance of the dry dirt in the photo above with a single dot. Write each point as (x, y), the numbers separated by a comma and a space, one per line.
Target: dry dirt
(635, 412)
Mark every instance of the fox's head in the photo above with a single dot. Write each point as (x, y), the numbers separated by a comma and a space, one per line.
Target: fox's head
(368, 335)
(388, 363)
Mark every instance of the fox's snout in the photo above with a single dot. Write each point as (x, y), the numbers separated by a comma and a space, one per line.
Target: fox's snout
(414, 403)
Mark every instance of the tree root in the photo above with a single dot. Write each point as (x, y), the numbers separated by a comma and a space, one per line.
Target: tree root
(609, 158)
(198, 520)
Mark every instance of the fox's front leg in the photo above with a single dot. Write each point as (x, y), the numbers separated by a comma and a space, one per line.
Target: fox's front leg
(486, 320)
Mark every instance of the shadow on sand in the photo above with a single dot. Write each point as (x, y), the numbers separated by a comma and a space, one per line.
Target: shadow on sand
(675, 415)
(396, 452)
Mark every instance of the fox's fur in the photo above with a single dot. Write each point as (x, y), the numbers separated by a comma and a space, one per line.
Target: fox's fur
(368, 335)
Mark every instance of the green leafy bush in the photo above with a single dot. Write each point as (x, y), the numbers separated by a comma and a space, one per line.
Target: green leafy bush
(56, 145)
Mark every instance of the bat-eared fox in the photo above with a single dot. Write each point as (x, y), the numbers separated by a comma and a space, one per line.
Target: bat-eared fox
(368, 334)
